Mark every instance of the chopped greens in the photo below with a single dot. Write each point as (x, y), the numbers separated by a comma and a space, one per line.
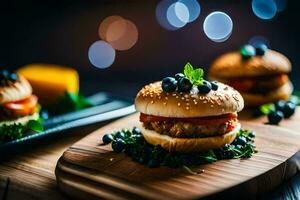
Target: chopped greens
(17, 130)
(154, 156)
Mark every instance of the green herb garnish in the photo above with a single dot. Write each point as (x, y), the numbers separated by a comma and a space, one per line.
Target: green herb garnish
(70, 102)
(194, 75)
(17, 130)
(267, 108)
(35, 125)
(134, 145)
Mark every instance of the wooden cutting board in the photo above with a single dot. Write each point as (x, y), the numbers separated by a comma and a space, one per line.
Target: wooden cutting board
(89, 170)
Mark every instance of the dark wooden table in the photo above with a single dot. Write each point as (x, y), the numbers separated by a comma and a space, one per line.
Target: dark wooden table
(30, 174)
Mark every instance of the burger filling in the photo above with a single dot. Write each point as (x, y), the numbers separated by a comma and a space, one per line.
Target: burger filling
(190, 127)
(259, 85)
(16, 109)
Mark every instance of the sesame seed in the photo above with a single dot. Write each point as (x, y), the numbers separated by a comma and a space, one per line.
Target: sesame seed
(178, 104)
(165, 103)
(187, 108)
(166, 98)
(205, 101)
(177, 97)
(212, 106)
(152, 102)
(187, 104)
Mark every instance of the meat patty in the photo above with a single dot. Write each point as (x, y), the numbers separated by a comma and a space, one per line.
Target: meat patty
(177, 129)
(259, 85)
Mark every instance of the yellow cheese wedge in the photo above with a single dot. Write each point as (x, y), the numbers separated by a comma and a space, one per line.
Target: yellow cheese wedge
(50, 82)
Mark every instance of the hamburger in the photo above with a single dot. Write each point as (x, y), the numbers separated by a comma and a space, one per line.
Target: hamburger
(185, 116)
(259, 74)
(17, 104)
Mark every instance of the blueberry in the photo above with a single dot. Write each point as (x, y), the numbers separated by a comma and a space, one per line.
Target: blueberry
(241, 141)
(275, 117)
(4, 74)
(179, 76)
(120, 135)
(118, 145)
(261, 49)
(136, 131)
(247, 51)
(152, 163)
(44, 114)
(142, 160)
(139, 138)
(107, 138)
(252, 134)
(240, 147)
(214, 85)
(185, 85)
(13, 77)
(289, 109)
(294, 100)
(226, 147)
(169, 84)
(204, 88)
(279, 105)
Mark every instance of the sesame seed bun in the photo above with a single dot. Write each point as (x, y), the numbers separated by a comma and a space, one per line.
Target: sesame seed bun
(152, 100)
(281, 93)
(18, 90)
(231, 65)
(189, 144)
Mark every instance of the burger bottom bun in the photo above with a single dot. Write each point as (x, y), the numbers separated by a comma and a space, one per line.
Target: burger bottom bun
(189, 144)
(21, 120)
(282, 93)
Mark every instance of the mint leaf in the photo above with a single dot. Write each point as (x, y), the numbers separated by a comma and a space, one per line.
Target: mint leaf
(188, 71)
(198, 74)
(35, 125)
(194, 75)
(267, 108)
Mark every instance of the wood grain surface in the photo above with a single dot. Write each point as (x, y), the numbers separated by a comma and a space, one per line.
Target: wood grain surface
(91, 170)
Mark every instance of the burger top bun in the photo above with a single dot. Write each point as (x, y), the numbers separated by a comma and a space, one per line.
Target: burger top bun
(232, 65)
(16, 91)
(152, 100)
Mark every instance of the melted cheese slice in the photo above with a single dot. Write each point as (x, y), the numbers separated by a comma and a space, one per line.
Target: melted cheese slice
(50, 82)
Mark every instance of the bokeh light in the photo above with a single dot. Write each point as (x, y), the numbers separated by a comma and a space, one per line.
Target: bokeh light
(116, 30)
(259, 39)
(105, 24)
(120, 33)
(127, 39)
(161, 14)
(281, 5)
(101, 54)
(218, 26)
(264, 9)
(193, 7)
(178, 15)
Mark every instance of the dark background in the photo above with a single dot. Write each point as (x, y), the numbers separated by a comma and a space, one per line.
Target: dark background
(61, 32)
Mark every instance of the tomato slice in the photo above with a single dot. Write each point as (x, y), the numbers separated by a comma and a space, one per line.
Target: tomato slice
(23, 107)
(197, 120)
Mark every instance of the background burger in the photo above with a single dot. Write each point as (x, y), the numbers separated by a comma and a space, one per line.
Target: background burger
(17, 105)
(187, 118)
(259, 74)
